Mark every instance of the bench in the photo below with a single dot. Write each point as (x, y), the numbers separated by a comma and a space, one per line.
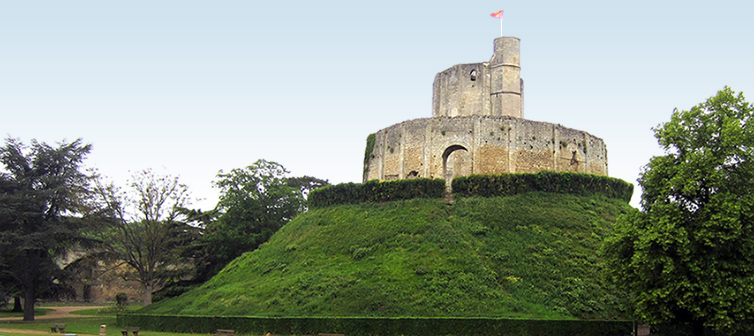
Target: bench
(332, 335)
(133, 330)
(58, 328)
(225, 332)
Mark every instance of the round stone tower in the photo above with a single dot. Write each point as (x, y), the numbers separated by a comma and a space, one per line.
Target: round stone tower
(506, 87)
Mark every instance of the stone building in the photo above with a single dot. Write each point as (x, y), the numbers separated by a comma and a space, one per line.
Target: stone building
(477, 127)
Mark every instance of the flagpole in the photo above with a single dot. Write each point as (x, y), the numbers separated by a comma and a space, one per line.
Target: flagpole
(499, 16)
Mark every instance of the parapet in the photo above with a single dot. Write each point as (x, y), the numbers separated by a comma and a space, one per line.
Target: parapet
(461, 146)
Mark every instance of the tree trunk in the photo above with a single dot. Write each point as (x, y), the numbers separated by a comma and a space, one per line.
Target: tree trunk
(697, 328)
(17, 304)
(148, 294)
(29, 299)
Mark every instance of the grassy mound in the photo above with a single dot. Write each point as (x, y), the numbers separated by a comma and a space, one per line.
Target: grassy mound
(532, 255)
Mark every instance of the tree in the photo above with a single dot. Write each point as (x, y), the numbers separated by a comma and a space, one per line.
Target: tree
(304, 185)
(42, 193)
(147, 229)
(688, 255)
(254, 203)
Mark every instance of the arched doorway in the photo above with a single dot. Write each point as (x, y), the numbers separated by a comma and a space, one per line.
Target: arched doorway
(456, 161)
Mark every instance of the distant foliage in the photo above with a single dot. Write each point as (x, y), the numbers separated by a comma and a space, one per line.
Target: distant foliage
(376, 191)
(547, 181)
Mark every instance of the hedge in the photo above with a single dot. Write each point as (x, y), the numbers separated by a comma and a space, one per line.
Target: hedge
(474, 185)
(365, 326)
(547, 181)
(376, 191)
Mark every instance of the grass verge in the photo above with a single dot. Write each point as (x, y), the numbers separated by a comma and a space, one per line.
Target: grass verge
(37, 312)
(74, 325)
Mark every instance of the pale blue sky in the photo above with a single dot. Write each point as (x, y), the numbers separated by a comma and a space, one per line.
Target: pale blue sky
(192, 87)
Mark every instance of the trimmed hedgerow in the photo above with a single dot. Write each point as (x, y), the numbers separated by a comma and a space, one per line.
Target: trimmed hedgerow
(474, 185)
(369, 326)
(547, 181)
(376, 191)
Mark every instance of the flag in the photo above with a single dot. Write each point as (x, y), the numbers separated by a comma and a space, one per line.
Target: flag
(498, 14)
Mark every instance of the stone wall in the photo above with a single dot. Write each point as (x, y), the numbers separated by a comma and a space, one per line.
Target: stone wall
(444, 147)
(462, 90)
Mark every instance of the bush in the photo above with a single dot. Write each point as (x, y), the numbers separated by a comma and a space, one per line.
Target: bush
(547, 181)
(376, 191)
(121, 300)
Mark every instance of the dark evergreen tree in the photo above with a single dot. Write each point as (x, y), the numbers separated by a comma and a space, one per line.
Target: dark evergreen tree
(42, 195)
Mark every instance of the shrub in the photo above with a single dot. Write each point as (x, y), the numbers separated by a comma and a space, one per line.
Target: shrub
(121, 300)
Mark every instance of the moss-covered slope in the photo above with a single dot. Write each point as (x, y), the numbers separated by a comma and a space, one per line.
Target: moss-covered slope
(532, 255)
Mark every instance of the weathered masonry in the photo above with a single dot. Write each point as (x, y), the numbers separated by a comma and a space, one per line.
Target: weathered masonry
(488, 89)
(478, 128)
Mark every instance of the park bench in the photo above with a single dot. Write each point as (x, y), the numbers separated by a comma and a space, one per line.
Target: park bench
(225, 332)
(331, 334)
(58, 328)
(133, 330)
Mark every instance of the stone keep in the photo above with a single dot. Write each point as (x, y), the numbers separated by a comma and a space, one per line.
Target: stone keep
(477, 127)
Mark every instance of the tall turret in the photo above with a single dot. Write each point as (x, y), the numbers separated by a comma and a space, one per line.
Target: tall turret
(482, 89)
(506, 86)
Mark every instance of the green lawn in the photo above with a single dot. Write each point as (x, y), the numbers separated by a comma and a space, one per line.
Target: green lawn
(75, 325)
(530, 256)
(9, 313)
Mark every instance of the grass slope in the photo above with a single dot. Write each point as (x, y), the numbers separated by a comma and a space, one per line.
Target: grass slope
(526, 256)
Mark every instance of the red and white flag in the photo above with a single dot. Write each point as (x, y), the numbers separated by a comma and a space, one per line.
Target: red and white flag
(499, 15)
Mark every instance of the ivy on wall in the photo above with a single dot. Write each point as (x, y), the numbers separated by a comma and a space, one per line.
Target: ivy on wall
(369, 153)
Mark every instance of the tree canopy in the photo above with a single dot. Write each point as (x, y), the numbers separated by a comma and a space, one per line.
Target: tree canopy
(42, 198)
(255, 202)
(688, 255)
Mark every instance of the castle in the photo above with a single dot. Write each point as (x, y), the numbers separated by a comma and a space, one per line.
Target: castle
(477, 127)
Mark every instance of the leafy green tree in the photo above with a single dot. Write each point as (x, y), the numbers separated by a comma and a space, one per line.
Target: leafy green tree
(255, 202)
(147, 228)
(42, 199)
(305, 184)
(688, 255)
